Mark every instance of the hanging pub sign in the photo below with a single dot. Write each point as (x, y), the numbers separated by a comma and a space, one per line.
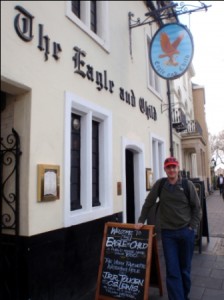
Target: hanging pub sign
(171, 50)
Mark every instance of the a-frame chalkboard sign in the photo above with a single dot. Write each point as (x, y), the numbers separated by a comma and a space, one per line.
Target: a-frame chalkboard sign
(203, 226)
(126, 263)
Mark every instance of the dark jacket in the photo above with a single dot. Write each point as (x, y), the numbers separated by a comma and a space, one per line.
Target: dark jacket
(176, 211)
(218, 182)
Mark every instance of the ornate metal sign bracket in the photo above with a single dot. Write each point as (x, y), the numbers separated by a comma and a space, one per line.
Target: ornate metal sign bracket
(170, 11)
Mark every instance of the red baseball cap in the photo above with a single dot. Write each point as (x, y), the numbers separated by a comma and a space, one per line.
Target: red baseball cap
(171, 161)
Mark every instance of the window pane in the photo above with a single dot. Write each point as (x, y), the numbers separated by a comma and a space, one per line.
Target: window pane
(95, 163)
(93, 16)
(75, 162)
(76, 8)
(153, 77)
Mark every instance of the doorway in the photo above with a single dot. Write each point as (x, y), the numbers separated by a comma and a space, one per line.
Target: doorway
(130, 186)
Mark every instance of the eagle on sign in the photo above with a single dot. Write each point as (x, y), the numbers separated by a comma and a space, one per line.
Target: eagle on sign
(170, 49)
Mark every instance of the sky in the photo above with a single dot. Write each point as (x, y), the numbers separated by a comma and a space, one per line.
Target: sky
(207, 28)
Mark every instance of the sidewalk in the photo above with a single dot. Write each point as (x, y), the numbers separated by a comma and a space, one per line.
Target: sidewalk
(208, 267)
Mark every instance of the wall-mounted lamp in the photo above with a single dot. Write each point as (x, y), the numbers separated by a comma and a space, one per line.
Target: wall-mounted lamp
(213, 163)
(76, 124)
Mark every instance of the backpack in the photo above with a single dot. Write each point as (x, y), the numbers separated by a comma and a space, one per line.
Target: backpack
(152, 220)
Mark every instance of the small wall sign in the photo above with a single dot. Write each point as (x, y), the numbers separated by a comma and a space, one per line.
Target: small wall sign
(171, 51)
(149, 178)
(48, 187)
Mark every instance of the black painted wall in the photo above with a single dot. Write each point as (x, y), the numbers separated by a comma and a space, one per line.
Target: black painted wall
(56, 265)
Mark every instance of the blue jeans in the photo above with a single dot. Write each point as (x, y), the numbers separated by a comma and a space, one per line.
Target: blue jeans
(178, 248)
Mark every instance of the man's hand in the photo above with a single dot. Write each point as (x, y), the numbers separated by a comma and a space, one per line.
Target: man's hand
(138, 226)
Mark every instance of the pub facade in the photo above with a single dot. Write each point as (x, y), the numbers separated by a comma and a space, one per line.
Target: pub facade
(85, 129)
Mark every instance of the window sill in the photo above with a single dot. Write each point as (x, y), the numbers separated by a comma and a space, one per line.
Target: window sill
(100, 41)
(82, 216)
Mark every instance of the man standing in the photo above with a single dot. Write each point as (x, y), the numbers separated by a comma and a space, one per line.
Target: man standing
(179, 218)
(220, 183)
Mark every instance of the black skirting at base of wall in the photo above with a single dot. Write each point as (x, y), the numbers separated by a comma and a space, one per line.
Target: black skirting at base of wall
(56, 265)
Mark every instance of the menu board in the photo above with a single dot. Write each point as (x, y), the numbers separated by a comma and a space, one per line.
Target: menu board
(124, 271)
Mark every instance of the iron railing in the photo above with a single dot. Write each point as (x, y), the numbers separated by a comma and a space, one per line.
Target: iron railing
(179, 119)
(193, 127)
(9, 183)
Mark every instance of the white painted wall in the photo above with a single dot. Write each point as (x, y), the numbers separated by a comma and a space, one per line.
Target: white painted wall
(40, 113)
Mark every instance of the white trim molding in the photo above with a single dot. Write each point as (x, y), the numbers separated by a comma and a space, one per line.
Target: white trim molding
(89, 112)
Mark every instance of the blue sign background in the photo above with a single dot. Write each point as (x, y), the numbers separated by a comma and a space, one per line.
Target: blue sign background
(171, 51)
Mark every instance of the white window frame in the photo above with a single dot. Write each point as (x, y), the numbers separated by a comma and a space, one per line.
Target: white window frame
(153, 80)
(158, 147)
(89, 111)
(102, 36)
